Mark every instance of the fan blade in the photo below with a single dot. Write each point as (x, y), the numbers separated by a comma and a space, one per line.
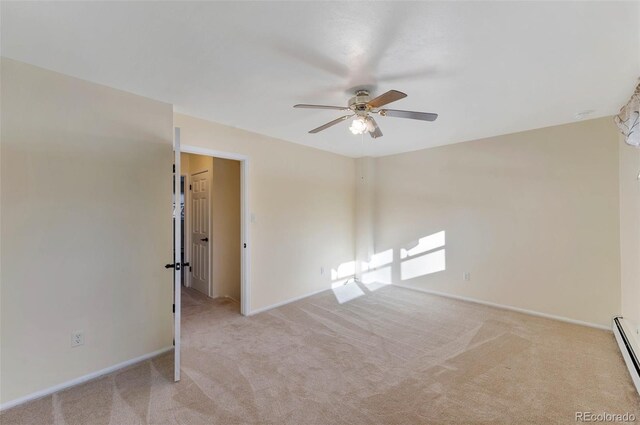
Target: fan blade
(376, 130)
(388, 97)
(302, 105)
(330, 123)
(424, 116)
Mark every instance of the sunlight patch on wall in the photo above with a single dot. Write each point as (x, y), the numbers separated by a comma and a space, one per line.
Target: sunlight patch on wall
(425, 244)
(378, 278)
(344, 270)
(423, 265)
(379, 259)
(374, 273)
(347, 292)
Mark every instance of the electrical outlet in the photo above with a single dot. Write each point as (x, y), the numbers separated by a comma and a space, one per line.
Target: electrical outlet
(466, 276)
(77, 338)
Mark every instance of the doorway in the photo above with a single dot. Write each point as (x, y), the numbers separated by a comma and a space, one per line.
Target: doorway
(181, 258)
(213, 244)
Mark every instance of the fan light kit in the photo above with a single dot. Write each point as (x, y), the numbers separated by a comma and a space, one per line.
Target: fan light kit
(360, 125)
(361, 106)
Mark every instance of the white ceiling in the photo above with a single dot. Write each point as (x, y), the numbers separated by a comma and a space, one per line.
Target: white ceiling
(487, 68)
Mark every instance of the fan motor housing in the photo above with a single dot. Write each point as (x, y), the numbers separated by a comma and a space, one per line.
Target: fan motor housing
(358, 103)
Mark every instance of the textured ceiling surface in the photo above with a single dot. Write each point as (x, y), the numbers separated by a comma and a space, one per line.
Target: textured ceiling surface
(487, 68)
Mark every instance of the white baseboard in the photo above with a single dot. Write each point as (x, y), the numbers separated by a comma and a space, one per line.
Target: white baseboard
(81, 379)
(232, 299)
(289, 301)
(625, 352)
(506, 307)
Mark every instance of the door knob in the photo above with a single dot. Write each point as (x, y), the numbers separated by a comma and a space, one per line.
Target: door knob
(205, 239)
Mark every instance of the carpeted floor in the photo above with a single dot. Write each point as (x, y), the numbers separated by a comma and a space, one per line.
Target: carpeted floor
(392, 356)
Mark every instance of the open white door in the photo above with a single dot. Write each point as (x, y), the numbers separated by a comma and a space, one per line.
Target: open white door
(177, 254)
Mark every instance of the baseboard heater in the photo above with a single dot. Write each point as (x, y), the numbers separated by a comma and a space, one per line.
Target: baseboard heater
(630, 356)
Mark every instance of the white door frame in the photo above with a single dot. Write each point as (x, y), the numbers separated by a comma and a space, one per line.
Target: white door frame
(245, 239)
(177, 256)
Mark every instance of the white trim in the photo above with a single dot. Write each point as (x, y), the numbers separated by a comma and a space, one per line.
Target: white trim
(177, 256)
(506, 307)
(245, 237)
(212, 152)
(209, 236)
(245, 233)
(289, 301)
(231, 298)
(625, 353)
(82, 379)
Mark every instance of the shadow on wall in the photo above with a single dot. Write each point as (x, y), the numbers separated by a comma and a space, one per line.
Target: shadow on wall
(418, 258)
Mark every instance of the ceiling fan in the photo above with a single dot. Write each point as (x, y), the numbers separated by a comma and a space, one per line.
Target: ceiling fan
(361, 106)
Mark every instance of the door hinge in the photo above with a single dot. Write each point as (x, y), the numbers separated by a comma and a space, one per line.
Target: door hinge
(190, 268)
(174, 168)
(174, 308)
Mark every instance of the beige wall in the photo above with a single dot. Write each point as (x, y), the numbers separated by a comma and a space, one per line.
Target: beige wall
(225, 220)
(193, 163)
(225, 228)
(302, 200)
(532, 216)
(85, 227)
(630, 237)
(365, 210)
